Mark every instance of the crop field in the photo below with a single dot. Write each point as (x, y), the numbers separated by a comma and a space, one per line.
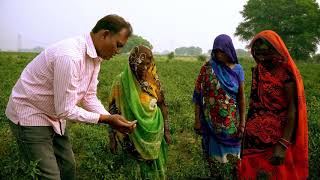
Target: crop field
(90, 142)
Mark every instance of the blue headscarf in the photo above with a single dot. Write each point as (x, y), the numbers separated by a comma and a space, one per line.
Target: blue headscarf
(228, 79)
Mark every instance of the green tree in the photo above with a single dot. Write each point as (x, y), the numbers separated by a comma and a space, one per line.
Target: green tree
(133, 41)
(170, 56)
(316, 58)
(296, 21)
(188, 51)
(242, 53)
(202, 57)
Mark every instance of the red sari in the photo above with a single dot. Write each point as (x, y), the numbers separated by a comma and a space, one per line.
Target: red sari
(267, 118)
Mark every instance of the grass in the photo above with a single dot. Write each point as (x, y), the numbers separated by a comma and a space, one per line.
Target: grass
(90, 142)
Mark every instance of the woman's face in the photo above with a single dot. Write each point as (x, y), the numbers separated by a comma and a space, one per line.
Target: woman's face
(141, 62)
(265, 54)
(221, 56)
(144, 67)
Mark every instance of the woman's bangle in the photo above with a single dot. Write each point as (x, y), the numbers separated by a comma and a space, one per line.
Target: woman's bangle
(242, 126)
(285, 143)
(285, 140)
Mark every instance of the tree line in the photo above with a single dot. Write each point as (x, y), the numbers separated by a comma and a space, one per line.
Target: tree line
(296, 21)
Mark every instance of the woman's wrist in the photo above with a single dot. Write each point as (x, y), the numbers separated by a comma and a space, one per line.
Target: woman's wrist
(284, 143)
(242, 125)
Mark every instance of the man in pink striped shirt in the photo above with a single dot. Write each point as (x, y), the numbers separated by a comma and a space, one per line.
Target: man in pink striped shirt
(60, 84)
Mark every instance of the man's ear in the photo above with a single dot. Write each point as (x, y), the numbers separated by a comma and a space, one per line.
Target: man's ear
(105, 33)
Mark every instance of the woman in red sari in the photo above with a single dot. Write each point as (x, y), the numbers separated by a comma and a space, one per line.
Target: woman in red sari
(275, 142)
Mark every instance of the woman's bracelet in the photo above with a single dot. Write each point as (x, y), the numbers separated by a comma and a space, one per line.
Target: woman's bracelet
(284, 142)
(242, 126)
(283, 145)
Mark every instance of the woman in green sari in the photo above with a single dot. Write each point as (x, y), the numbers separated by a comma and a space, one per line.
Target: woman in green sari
(137, 95)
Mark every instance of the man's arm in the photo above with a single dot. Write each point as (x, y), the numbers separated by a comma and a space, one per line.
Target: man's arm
(90, 101)
(65, 84)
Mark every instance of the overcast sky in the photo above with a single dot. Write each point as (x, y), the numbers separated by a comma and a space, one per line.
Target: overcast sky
(167, 24)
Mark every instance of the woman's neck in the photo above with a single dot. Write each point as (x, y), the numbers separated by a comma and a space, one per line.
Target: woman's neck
(271, 68)
(230, 65)
(227, 62)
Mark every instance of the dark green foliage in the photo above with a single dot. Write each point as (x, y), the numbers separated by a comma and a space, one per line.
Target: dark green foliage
(316, 58)
(202, 57)
(188, 51)
(241, 53)
(170, 56)
(296, 21)
(133, 41)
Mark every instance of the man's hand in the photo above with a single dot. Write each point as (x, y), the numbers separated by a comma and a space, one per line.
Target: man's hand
(118, 123)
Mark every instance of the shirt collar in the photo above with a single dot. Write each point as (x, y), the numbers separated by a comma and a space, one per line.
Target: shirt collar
(91, 50)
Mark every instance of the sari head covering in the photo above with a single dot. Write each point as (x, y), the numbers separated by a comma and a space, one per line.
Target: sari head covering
(224, 43)
(228, 79)
(297, 154)
(135, 93)
(142, 66)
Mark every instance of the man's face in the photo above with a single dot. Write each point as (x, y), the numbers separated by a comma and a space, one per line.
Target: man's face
(111, 44)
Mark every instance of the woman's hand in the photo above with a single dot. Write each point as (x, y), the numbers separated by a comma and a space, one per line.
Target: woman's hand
(278, 156)
(240, 132)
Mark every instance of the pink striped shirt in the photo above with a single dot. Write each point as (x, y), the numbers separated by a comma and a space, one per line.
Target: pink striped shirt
(59, 84)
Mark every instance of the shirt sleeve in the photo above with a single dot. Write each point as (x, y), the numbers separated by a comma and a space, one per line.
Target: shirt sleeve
(65, 83)
(90, 101)
(240, 73)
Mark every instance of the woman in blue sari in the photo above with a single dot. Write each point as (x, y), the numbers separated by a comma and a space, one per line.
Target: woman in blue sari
(220, 105)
